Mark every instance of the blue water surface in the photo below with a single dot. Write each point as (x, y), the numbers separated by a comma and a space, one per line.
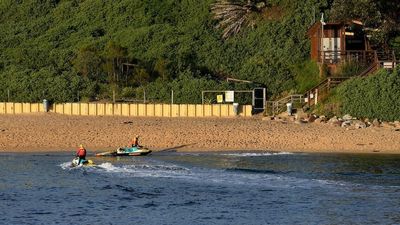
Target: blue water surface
(201, 188)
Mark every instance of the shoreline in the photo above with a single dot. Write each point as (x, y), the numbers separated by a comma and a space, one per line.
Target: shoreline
(91, 152)
(48, 132)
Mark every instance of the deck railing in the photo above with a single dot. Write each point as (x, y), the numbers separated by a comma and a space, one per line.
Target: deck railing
(320, 91)
(387, 59)
(370, 61)
(335, 57)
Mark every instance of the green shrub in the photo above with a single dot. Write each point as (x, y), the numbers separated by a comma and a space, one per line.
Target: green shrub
(306, 76)
(69, 41)
(331, 106)
(349, 69)
(128, 92)
(376, 96)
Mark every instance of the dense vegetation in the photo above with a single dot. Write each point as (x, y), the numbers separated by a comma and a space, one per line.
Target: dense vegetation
(62, 50)
(381, 18)
(372, 97)
(70, 50)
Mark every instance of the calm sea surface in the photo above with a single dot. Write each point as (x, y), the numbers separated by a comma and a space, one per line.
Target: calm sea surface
(206, 188)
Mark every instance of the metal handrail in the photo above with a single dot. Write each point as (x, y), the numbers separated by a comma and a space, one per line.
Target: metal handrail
(327, 80)
(278, 106)
(370, 58)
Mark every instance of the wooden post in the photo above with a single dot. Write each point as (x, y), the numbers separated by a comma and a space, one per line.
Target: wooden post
(364, 58)
(329, 84)
(144, 96)
(114, 95)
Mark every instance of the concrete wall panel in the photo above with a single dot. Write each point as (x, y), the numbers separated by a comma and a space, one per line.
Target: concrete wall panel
(17, 108)
(10, 108)
(36, 107)
(183, 110)
(216, 110)
(117, 109)
(109, 109)
(101, 109)
(125, 110)
(224, 110)
(199, 110)
(76, 109)
(2, 108)
(150, 110)
(134, 109)
(167, 110)
(84, 109)
(207, 110)
(158, 110)
(191, 110)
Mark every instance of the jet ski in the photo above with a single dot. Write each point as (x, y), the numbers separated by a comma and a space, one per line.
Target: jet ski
(127, 151)
(75, 162)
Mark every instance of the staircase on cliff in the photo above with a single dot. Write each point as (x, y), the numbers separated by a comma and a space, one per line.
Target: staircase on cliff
(370, 61)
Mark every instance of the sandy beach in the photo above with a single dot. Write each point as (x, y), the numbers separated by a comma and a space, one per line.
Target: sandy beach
(51, 132)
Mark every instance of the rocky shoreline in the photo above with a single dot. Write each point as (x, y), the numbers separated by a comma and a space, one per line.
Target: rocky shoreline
(347, 121)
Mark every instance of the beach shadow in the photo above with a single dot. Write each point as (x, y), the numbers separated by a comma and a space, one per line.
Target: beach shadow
(174, 149)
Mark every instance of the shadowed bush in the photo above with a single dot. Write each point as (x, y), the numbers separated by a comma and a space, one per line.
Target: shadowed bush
(373, 97)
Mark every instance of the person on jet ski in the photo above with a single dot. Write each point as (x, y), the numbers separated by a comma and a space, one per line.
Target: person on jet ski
(81, 154)
(135, 142)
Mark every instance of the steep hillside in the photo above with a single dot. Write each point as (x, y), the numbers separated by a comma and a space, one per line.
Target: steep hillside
(69, 49)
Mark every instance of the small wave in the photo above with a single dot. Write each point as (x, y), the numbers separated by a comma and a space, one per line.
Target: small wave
(109, 167)
(158, 167)
(252, 171)
(332, 182)
(68, 166)
(65, 165)
(131, 168)
(258, 154)
(265, 179)
(141, 170)
(240, 176)
(145, 170)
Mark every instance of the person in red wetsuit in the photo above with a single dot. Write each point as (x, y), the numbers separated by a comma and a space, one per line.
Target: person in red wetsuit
(81, 153)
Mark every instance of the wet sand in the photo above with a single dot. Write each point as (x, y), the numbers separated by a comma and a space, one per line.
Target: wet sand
(52, 132)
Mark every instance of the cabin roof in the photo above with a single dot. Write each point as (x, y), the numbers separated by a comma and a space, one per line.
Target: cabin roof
(317, 25)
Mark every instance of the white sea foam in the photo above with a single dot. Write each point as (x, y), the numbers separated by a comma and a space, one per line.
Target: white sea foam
(144, 170)
(197, 174)
(258, 154)
(208, 175)
(65, 165)
(109, 167)
(168, 170)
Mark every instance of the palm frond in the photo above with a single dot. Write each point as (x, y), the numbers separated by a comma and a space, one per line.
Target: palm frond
(232, 16)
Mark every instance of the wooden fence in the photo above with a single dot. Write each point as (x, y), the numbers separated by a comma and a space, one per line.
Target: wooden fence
(124, 109)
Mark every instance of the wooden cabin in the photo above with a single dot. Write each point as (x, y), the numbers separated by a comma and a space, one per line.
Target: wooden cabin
(336, 42)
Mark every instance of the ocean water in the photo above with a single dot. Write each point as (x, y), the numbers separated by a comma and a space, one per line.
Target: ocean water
(201, 188)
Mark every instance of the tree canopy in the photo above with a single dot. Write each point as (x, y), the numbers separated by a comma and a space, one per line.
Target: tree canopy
(381, 17)
(69, 50)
